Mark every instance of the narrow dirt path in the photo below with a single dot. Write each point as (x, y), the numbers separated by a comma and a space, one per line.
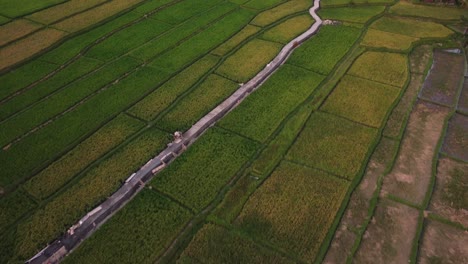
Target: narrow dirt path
(135, 183)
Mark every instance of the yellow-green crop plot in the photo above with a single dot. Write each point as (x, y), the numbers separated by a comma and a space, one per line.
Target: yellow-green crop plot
(227, 46)
(293, 209)
(333, 144)
(250, 59)
(289, 29)
(361, 100)
(278, 12)
(357, 14)
(382, 39)
(384, 67)
(411, 27)
(438, 12)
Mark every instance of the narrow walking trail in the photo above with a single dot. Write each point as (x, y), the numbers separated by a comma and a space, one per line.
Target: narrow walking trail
(135, 183)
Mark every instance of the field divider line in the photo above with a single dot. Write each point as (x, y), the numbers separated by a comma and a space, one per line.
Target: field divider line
(85, 227)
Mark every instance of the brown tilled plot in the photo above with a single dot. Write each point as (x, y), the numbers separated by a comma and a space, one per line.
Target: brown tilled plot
(389, 236)
(449, 198)
(443, 244)
(456, 139)
(463, 101)
(410, 177)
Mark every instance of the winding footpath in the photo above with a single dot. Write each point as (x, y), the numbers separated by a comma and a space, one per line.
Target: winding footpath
(85, 227)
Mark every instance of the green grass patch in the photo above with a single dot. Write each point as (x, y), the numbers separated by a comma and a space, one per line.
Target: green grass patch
(183, 10)
(330, 44)
(197, 103)
(382, 39)
(4, 20)
(271, 214)
(455, 192)
(411, 27)
(23, 76)
(261, 4)
(72, 47)
(245, 63)
(46, 145)
(81, 67)
(269, 16)
(137, 234)
(356, 14)
(214, 244)
(61, 171)
(182, 33)
(262, 112)
(48, 222)
(127, 39)
(438, 12)
(233, 42)
(351, 2)
(19, 8)
(289, 29)
(12, 207)
(361, 100)
(151, 6)
(384, 67)
(203, 42)
(153, 104)
(207, 165)
(333, 144)
(59, 102)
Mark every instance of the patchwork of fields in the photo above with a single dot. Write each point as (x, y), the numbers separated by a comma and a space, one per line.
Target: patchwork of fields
(91, 90)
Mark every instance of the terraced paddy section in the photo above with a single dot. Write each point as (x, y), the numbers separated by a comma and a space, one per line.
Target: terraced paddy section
(406, 8)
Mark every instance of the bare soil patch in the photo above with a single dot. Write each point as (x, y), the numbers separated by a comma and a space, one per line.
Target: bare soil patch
(442, 84)
(443, 244)
(356, 213)
(410, 176)
(389, 236)
(450, 195)
(456, 139)
(419, 58)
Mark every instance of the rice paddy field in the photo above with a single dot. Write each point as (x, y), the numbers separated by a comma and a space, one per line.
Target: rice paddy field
(92, 90)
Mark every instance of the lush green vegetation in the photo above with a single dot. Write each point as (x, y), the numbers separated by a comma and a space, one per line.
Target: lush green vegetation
(207, 165)
(357, 14)
(137, 234)
(249, 60)
(411, 27)
(269, 16)
(333, 144)
(384, 67)
(271, 212)
(14, 9)
(233, 42)
(289, 29)
(12, 207)
(330, 44)
(261, 4)
(361, 100)
(382, 39)
(438, 12)
(214, 244)
(262, 112)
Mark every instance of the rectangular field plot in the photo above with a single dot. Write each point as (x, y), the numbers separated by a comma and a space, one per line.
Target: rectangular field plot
(249, 60)
(348, 2)
(445, 13)
(58, 12)
(411, 27)
(48, 222)
(443, 82)
(127, 39)
(289, 29)
(59, 102)
(207, 165)
(58, 173)
(292, 202)
(233, 42)
(137, 234)
(214, 244)
(384, 67)
(357, 14)
(76, 70)
(21, 77)
(361, 100)
(203, 42)
(17, 29)
(13, 9)
(333, 144)
(269, 16)
(212, 91)
(261, 4)
(12, 207)
(330, 44)
(153, 104)
(184, 10)
(382, 39)
(263, 111)
(456, 138)
(47, 144)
